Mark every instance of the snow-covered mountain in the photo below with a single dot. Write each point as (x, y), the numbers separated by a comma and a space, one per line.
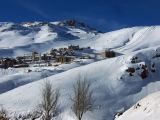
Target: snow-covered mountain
(118, 82)
(19, 38)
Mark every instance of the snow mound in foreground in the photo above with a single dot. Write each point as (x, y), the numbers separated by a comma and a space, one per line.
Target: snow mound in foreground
(146, 109)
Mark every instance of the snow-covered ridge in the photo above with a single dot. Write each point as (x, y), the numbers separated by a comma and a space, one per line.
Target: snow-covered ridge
(42, 36)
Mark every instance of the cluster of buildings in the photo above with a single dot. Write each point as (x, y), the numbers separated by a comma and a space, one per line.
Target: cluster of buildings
(61, 55)
(12, 62)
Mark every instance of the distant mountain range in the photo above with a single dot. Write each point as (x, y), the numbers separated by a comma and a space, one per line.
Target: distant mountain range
(29, 36)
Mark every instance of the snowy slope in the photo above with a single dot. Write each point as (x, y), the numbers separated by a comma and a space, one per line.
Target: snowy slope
(107, 83)
(115, 88)
(130, 39)
(145, 109)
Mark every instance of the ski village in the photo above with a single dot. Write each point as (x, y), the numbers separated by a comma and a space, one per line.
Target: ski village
(55, 57)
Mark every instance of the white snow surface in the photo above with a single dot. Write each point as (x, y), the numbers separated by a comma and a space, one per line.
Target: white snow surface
(114, 89)
(145, 109)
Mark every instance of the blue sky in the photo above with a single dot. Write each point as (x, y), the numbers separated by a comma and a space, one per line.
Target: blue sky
(106, 15)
